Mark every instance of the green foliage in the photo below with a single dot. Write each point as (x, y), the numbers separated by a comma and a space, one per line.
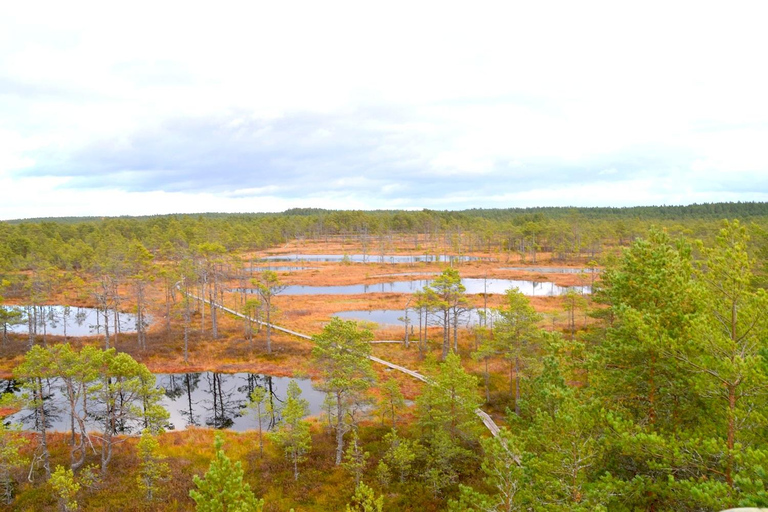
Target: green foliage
(355, 459)
(513, 336)
(365, 500)
(341, 353)
(445, 296)
(504, 475)
(222, 488)
(64, 485)
(391, 401)
(10, 459)
(293, 434)
(268, 285)
(152, 469)
(260, 409)
(449, 425)
(400, 457)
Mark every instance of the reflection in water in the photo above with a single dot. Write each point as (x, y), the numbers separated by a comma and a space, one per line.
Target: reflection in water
(210, 399)
(70, 321)
(53, 410)
(371, 258)
(472, 285)
(555, 270)
(282, 268)
(392, 317)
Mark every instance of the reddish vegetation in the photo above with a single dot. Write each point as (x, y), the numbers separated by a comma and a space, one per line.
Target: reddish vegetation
(307, 314)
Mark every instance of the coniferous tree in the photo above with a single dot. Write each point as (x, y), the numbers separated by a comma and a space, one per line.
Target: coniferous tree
(365, 500)
(66, 487)
(222, 487)
(341, 353)
(152, 469)
(268, 285)
(10, 459)
(293, 434)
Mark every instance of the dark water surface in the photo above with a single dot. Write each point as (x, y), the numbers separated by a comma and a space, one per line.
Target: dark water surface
(554, 270)
(472, 285)
(371, 258)
(392, 317)
(201, 399)
(74, 321)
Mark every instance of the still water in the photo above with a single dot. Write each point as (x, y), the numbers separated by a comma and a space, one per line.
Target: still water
(396, 317)
(472, 285)
(73, 321)
(554, 270)
(282, 268)
(371, 258)
(205, 399)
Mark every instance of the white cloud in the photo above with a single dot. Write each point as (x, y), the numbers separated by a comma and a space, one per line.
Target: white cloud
(600, 87)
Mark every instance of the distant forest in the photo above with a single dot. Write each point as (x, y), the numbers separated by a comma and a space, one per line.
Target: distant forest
(567, 233)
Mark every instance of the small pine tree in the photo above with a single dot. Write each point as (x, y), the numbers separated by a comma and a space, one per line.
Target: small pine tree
(293, 434)
(399, 457)
(355, 459)
(152, 470)
(222, 487)
(260, 409)
(365, 500)
(10, 459)
(391, 401)
(64, 485)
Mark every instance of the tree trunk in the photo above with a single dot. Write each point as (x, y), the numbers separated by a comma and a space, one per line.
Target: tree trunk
(517, 386)
(269, 326)
(339, 429)
(446, 333)
(43, 429)
(731, 433)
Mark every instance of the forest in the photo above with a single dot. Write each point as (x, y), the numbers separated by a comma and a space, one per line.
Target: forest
(482, 360)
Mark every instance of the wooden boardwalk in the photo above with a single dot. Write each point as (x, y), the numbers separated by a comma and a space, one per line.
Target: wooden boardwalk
(484, 416)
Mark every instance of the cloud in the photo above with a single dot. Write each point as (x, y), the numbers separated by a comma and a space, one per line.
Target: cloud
(343, 104)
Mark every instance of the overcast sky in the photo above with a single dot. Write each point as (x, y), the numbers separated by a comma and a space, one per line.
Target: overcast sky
(159, 107)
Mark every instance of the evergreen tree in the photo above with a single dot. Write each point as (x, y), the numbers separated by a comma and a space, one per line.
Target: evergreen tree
(514, 332)
(268, 285)
(450, 427)
(365, 500)
(341, 353)
(152, 469)
(222, 488)
(64, 485)
(391, 401)
(355, 458)
(293, 434)
(260, 409)
(36, 373)
(10, 459)
(445, 296)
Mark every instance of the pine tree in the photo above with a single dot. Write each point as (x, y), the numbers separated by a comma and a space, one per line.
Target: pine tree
(260, 409)
(268, 285)
(365, 500)
(222, 488)
(391, 401)
(341, 353)
(64, 485)
(514, 332)
(355, 458)
(293, 434)
(152, 469)
(449, 425)
(10, 459)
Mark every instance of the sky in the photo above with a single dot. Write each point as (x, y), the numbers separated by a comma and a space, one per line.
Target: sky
(146, 108)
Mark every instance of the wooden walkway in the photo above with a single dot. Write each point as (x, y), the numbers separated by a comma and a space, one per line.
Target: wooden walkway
(484, 416)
